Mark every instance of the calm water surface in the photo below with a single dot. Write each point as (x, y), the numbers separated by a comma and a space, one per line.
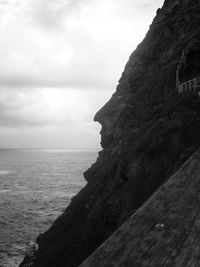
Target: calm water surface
(35, 187)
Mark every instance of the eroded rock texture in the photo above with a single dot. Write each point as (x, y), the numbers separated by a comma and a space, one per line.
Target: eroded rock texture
(164, 231)
(148, 131)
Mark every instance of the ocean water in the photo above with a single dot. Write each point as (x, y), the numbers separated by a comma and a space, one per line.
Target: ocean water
(35, 188)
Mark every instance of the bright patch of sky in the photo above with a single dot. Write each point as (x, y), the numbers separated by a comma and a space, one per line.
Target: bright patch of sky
(60, 62)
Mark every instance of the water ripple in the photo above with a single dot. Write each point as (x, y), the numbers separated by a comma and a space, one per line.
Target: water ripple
(35, 187)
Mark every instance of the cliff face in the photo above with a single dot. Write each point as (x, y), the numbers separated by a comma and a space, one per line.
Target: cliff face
(148, 131)
(164, 231)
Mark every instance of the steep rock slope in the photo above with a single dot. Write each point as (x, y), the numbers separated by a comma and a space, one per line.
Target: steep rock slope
(148, 131)
(164, 231)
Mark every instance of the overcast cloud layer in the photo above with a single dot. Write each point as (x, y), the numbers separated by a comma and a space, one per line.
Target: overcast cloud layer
(60, 62)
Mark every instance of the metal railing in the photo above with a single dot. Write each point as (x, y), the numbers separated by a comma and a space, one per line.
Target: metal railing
(191, 85)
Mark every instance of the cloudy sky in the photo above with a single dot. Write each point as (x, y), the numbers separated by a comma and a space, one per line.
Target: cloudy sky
(60, 62)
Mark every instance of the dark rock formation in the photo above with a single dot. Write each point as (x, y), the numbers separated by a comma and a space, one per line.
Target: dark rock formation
(164, 231)
(148, 131)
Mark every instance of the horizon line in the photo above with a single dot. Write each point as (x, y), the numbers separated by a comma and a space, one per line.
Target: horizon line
(48, 148)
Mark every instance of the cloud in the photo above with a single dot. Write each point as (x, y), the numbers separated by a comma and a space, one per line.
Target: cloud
(51, 14)
(47, 107)
(67, 43)
(51, 118)
(60, 62)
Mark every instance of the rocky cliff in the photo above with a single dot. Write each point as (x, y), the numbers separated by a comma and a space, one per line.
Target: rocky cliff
(148, 131)
(164, 231)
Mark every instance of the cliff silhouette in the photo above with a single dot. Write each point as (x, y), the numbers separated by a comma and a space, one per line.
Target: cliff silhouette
(148, 131)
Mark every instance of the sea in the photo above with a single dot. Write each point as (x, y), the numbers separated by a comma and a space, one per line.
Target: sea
(36, 186)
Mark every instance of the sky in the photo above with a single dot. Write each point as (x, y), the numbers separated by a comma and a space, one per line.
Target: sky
(60, 63)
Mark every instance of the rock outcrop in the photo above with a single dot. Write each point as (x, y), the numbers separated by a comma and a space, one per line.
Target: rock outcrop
(164, 231)
(148, 132)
